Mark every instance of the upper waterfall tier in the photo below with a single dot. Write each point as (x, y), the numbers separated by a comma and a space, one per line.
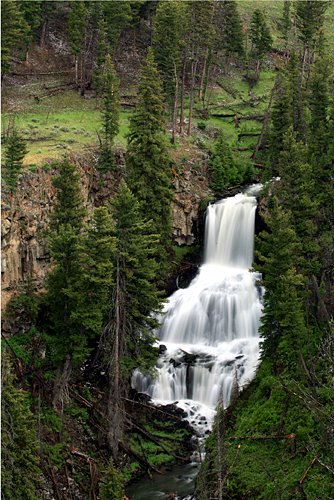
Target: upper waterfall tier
(230, 232)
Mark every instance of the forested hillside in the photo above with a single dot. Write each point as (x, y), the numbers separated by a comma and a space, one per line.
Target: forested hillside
(122, 121)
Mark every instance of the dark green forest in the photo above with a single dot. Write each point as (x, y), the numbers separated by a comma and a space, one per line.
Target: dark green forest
(135, 96)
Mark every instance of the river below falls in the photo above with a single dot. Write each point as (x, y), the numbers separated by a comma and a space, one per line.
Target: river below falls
(178, 480)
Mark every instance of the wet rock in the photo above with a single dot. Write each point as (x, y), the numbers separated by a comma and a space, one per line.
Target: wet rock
(162, 349)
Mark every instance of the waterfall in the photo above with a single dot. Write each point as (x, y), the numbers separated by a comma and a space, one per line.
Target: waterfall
(209, 331)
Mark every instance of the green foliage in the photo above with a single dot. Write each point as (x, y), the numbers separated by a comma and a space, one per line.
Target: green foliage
(65, 242)
(224, 170)
(135, 272)
(56, 454)
(229, 29)
(76, 26)
(32, 13)
(14, 32)
(309, 20)
(111, 486)
(147, 161)
(14, 153)
(117, 16)
(259, 34)
(110, 115)
(20, 470)
(170, 24)
(93, 286)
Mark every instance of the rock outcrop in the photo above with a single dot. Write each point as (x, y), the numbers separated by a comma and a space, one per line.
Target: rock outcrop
(25, 217)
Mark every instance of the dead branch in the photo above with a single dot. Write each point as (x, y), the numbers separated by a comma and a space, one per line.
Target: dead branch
(302, 479)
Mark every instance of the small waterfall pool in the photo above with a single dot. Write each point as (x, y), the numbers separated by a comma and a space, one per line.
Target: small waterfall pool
(209, 331)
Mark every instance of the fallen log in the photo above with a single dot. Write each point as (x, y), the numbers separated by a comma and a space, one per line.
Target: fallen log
(248, 134)
(139, 458)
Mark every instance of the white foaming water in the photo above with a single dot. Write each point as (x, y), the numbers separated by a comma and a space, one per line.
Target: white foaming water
(210, 329)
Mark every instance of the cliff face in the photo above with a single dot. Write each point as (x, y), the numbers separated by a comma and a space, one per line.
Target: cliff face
(25, 218)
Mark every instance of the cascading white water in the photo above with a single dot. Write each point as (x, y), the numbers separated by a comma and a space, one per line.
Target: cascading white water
(209, 331)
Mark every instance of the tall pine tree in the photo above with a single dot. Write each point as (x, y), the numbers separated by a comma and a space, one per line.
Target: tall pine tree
(128, 338)
(147, 161)
(66, 340)
(110, 115)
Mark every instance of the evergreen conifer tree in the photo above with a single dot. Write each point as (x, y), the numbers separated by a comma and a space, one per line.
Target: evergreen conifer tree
(128, 339)
(14, 154)
(229, 29)
(76, 31)
(20, 471)
(282, 322)
(67, 343)
(168, 41)
(92, 291)
(32, 13)
(110, 115)
(280, 122)
(310, 17)
(294, 76)
(223, 169)
(260, 36)
(117, 16)
(319, 106)
(147, 160)
(14, 32)
(296, 193)
(285, 22)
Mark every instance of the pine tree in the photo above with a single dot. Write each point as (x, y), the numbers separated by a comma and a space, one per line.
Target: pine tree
(319, 106)
(110, 115)
(32, 13)
(260, 36)
(76, 31)
(92, 291)
(14, 32)
(147, 158)
(66, 340)
(229, 29)
(102, 47)
(128, 339)
(201, 38)
(282, 321)
(222, 167)
(117, 16)
(280, 122)
(310, 17)
(20, 471)
(294, 76)
(296, 192)
(285, 23)
(168, 42)
(14, 154)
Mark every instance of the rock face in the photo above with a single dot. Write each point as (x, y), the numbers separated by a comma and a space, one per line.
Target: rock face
(191, 187)
(25, 217)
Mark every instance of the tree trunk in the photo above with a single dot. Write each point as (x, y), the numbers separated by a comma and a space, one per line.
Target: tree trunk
(43, 34)
(76, 70)
(182, 97)
(61, 384)
(115, 412)
(201, 85)
(192, 92)
(175, 104)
